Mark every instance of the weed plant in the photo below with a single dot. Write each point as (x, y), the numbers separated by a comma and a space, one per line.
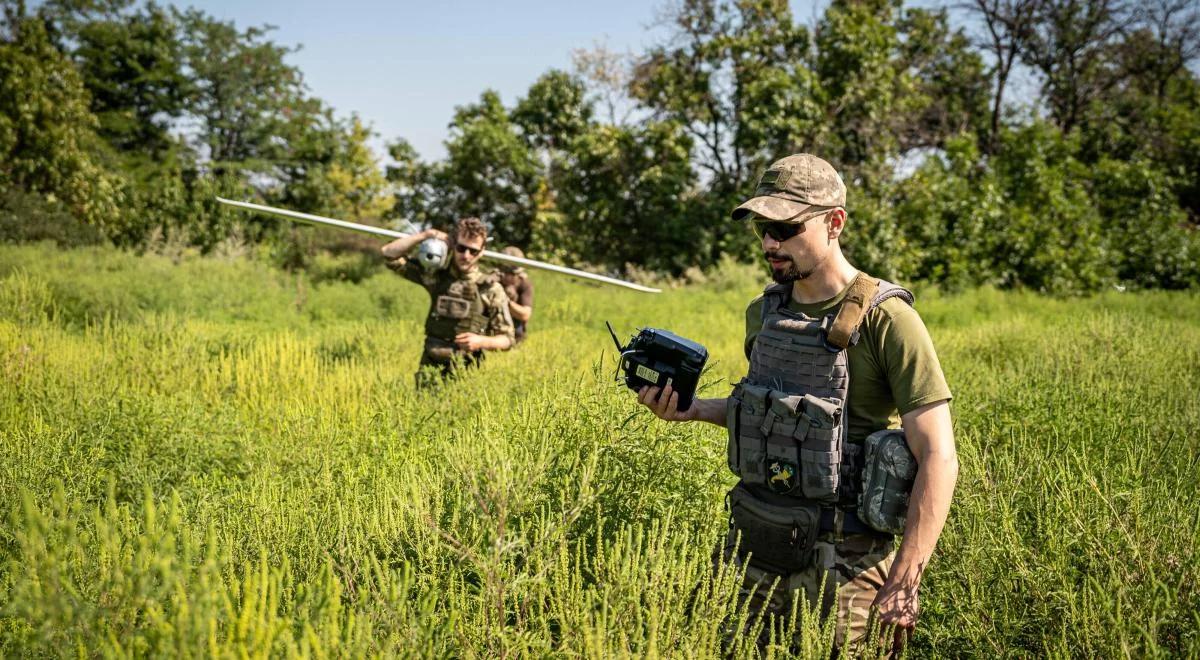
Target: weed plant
(212, 457)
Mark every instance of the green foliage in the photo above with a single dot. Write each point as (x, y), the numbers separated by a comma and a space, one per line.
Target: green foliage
(245, 94)
(132, 66)
(1153, 242)
(554, 111)
(950, 181)
(215, 456)
(628, 191)
(27, 217)
(490, 172)
(47, 140)
(1039, 217)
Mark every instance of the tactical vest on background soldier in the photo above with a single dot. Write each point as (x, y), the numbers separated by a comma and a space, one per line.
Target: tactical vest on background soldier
(799, 473)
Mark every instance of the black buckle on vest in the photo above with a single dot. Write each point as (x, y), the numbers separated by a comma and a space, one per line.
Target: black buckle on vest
(826, 322)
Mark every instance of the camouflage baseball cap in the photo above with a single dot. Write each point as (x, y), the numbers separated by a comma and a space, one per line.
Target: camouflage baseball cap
(791, 186)
(511, 268)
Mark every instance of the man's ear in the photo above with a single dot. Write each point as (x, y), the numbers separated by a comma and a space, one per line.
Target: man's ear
(835, 223)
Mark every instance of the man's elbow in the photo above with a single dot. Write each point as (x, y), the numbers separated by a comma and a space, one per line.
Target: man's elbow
(504, 342)
(943, 463)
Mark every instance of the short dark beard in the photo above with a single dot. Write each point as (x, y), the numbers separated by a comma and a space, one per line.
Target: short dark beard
(790, 273)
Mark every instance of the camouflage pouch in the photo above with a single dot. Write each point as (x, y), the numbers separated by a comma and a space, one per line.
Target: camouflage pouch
(438, 351)
(888, 475)
(777, 538)
(452, 308)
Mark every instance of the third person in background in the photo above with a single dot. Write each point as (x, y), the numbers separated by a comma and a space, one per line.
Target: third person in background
(519, 288)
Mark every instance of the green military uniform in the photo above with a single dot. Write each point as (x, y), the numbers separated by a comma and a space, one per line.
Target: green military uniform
(893, 370)
(458, 302)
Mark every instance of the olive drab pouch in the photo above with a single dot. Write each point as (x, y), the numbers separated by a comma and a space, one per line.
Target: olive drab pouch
(746, 409)
(820, 433)
(778, 538)
(438, 351)
(452, 308)
(888, 475)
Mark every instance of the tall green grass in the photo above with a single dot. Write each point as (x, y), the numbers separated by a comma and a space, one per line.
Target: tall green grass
(216, 458)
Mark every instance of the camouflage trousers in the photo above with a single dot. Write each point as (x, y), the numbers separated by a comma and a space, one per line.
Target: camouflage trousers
(846, 575)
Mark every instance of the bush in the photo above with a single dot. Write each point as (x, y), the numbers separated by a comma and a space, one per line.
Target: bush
(29, 217)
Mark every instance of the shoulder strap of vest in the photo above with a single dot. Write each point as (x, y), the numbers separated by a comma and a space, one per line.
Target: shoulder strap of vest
(774, 297)
(858, 301)
(888, 290)
(866, 293)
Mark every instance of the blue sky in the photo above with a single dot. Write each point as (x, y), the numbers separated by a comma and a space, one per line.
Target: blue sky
(404, 66)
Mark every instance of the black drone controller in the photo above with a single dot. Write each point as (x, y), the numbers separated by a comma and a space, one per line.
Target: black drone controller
(658, 357)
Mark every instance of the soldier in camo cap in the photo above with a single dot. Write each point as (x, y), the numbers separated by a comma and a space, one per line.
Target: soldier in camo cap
(839, 362)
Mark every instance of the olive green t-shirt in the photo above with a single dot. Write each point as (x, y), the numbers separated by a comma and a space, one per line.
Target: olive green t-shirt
(893, 368)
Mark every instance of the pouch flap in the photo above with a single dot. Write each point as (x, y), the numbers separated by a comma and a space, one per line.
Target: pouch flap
(452, 308)
(754, 398)
(822, 413)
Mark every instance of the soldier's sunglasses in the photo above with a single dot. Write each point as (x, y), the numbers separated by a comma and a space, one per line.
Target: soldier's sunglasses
(780, 231)
(464, 249)
(786, 229)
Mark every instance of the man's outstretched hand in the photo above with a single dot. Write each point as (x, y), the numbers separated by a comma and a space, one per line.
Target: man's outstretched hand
(664, 403)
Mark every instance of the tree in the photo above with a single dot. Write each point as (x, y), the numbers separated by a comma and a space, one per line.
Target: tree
(554, 111)
(625, 197)
(132, 66)
(244, 95)
(489, 172)
(340, 176)
(413, 193)
(734, 77)
(1007, 24)
(1070, 43)
(48, 143)
(950, 81)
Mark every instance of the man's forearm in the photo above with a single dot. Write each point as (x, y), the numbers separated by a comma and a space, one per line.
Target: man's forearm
(928, 507)
(518, 311)
(403, 245)
(710, 410)
(496, 343)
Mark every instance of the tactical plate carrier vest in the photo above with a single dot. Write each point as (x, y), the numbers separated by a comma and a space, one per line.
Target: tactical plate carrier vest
(787, 427)
(456, 306)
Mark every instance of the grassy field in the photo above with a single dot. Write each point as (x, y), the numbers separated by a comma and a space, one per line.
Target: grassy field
(212, 457)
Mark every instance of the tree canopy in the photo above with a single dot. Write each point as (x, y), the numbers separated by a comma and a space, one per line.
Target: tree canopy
(129, 117)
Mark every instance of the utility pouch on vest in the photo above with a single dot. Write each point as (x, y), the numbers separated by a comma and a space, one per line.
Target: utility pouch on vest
(778, 538)
(888, 475)
(819, 431)
(452, 308)
(745, 411)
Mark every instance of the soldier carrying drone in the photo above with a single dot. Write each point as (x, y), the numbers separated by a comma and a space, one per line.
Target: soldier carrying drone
(468, 311)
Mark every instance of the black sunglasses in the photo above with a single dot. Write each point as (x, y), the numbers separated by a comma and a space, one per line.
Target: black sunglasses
(779, 231)
(784, 230)
(464, 249)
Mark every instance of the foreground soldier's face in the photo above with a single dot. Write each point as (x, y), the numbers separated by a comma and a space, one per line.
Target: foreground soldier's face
(467, 251)
(795, 258)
